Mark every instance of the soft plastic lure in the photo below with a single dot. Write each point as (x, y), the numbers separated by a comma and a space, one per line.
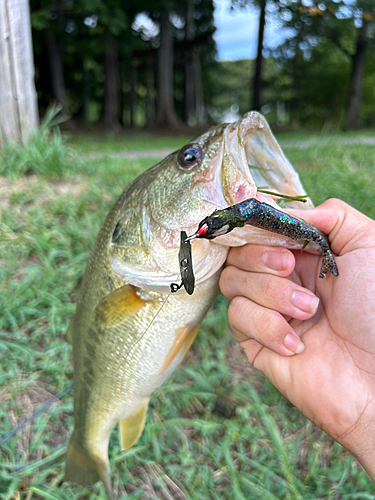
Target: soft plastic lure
(258, 214)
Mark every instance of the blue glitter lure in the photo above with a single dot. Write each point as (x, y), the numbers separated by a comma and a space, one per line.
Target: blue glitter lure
(264, 216)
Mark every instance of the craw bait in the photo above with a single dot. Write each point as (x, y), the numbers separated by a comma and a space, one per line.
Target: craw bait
(261, 215)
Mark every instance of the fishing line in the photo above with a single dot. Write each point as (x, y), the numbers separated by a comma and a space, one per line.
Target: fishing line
(187, 281)
(68, 387)
(41, 409)
(149, 326)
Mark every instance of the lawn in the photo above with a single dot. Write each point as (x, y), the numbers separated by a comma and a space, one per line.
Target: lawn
(217, 429)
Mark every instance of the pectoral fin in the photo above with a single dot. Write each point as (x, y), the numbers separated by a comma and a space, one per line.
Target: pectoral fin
(131, 427)
(118, 306)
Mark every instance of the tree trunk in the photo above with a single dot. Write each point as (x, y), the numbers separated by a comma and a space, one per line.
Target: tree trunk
(56, 58)
(150, 85)
(198, 85)
(189, 110)
(165, 116)
(85, 94)
(18, 100)
(257, 85)
(111, 111)
(133, 93)
(358, 69)
(57, 70)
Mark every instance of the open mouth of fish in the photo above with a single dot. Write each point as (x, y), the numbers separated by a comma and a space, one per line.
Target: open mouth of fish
(248, 162)
(248, 158)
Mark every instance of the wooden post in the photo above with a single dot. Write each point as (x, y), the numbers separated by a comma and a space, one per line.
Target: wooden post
(18, 100)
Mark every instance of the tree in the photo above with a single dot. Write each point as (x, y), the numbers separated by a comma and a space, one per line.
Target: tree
(358, 68)
(346, 25)
(165, 115)
(112, 61)
(111, 104)
(48, 21)
(55, 39)
(257, 83)
(18, 103)
(259, 60)
(198, 43)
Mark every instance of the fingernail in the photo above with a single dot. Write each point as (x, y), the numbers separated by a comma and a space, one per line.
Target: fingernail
(294, 343)
(305, 301)
(277, 261)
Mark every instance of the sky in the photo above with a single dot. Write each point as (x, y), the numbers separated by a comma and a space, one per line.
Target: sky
(237, 32)
(236, 35)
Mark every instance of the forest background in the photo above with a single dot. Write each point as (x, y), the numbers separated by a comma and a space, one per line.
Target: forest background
(126, 63)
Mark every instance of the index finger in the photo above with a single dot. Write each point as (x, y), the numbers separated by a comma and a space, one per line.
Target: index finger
(263, 259)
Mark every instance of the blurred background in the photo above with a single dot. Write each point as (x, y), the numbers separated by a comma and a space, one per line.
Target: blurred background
(137, 63)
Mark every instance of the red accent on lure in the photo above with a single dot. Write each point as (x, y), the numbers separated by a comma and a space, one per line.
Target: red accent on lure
(202, 230)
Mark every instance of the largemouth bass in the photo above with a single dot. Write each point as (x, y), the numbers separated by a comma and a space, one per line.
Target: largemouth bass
(129, 332)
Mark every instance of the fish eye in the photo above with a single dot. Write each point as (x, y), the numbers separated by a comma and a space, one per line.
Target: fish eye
(190, 155)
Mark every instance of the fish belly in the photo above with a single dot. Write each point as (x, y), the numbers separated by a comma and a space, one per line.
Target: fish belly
(132, 359)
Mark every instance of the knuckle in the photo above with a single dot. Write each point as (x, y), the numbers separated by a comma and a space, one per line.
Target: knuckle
(225, 278)
(272, 328)
(236, 310)
(335, 203)
(270, 291)
(250, 254)
(278, 292)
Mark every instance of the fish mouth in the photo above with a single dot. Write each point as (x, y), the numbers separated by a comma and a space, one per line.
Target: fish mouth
(252, 160)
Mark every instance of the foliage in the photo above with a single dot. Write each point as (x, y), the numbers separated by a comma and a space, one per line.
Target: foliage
(310, 72)
(45, 154)
(81, 29)
(216, 429)
(315, 90)
(330, 31)
(313, 22)
(231, 87)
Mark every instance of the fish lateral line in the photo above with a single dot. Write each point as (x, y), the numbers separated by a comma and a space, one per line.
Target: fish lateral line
(264, 216)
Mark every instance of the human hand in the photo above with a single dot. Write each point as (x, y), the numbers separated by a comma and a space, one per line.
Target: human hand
(314, 338)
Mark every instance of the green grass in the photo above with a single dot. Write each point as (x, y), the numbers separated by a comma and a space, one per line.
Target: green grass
(125, 141)
(324, 135)
(217, 429)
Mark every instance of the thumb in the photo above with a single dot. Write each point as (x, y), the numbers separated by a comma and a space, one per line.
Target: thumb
(347, 229)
